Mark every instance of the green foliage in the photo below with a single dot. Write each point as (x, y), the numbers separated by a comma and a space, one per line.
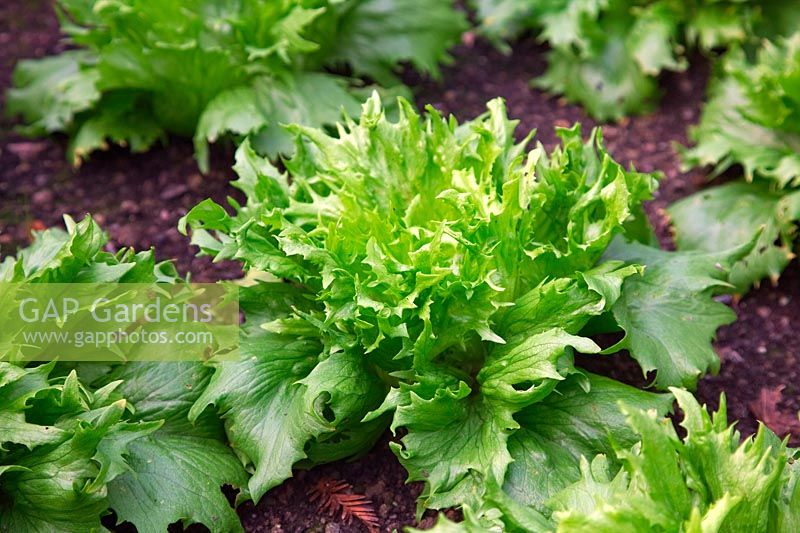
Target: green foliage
(437, 278)
(78, 440)
(751, 120)
(60, 447)
(736, 212)
(668, 314)
(204, 68)
(607, 54)
(706, 481)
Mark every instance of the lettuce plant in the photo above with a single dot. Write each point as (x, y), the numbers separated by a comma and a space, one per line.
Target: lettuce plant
(607, 54)
(79, 440)
(706, 480)
(205, 68)
(437, 278)
(752, 120)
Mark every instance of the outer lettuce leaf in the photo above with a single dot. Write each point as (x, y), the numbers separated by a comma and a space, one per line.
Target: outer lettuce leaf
(473, 431)
(725, 137)
(206, 68)
(118, 119)
(175, 473)
(284, 398)
(580, 419)
(669, 314)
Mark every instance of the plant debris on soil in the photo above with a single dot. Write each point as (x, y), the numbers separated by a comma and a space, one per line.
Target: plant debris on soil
(138, 198)
(336, 497)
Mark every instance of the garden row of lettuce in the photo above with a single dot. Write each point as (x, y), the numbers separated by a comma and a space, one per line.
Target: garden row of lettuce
(206, 69)
(203, 68)
(415, 274)
(432, 278)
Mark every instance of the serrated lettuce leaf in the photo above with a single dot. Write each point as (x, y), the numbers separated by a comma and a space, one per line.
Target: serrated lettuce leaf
(175, 473)
(669, 314)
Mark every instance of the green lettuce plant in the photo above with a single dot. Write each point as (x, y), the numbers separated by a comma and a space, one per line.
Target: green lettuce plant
(607, 54)
(707, 480)
(437, 278)
(80, 440)
(201, 68)
(752, 121)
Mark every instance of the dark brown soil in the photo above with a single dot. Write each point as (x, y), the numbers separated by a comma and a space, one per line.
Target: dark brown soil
(139, 198)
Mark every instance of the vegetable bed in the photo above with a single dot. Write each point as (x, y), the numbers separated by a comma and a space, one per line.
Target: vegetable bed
(140, 198)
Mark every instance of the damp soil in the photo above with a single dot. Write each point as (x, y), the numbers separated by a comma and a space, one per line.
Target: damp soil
(138, 198)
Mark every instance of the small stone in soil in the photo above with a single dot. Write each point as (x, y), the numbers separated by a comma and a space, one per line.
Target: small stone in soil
(26, 151)
(195, 182)
(44, 197)
(129, 206)
(174, 191)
